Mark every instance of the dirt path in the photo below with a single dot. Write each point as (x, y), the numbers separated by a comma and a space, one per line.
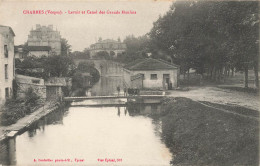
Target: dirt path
(220, 96)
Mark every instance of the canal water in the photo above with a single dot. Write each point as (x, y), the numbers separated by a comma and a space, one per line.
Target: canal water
(81, 135)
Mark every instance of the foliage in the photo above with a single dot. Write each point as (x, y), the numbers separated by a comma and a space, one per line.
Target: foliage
(45, 67)
(81, 54)
(15, 109)
(102, 55)
(208, 35)
(31, 97)
(200, 135)
(137, 48)
(65, 47)
(78, 79)
(90, 68)
(59, 66)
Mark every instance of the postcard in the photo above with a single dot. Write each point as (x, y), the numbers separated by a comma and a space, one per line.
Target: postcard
(131, 83)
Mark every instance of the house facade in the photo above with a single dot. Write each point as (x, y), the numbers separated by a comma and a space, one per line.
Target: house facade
(151, 73)
(19, 52)
(38, 51)
(6, 62)
(112, 47)
(45, 36)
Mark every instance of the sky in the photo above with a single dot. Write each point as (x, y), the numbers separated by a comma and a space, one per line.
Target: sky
(82, 30)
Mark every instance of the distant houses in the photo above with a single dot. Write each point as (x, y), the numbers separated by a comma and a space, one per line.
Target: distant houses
(151, 74)
(45, 36)
(42, 41)
(6, 62)
(112, 47)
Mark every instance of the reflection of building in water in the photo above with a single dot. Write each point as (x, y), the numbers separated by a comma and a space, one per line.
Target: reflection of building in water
(143, 109)
(107, 86)
(8, 152)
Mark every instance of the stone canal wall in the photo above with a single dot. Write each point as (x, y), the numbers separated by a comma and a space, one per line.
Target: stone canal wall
(23, 123)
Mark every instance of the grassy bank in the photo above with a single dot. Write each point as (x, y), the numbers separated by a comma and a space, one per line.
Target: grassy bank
(199, 135)
(15, 109)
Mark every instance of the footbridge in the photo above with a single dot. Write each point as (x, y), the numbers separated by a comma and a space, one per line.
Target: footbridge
(113, 97)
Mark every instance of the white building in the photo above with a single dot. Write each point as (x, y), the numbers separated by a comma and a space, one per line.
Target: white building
(6, 62)
(112, 47)
(151, 73)
(45, 36)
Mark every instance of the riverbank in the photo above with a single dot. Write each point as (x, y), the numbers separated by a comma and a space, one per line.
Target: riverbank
(200, 135)
(217, 95)
(23, 123)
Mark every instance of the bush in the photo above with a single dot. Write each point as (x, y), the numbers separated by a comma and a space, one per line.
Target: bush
(31, 98)
(14, 109)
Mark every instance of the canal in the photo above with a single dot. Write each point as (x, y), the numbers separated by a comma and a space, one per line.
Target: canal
(83, 135)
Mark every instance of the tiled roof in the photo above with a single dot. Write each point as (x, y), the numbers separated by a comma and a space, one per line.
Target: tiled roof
(150, 64)
(38, 48)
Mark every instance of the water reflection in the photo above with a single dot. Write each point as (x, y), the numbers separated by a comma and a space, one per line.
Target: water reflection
(107, 86)
(92, 133)
(143, 109)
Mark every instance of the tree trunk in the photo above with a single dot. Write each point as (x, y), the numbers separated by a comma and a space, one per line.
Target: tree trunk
(232, 73)
(246, 77)
(256, 75)
(188, 75)
(214, 74)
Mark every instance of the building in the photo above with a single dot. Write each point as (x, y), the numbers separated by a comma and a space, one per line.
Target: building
(112, 47)
(45, 36)
(38, 51)
(19, 52)
(151, 73)
(26, 82)
(54, 88)
(6, 62)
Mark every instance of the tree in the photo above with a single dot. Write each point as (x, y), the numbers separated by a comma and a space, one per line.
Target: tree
(102, 55)
(209, 35)
(59, 66)
(65, 47)
(136, 48)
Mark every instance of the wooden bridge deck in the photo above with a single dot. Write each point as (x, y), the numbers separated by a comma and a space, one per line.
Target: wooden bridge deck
(111, 97)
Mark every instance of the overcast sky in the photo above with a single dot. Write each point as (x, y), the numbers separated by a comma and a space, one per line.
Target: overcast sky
(79, 29)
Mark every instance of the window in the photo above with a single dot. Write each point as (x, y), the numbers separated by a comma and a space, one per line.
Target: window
(6, 71)
(153, 76)
(6, 51)
(36, 81)
(6, 93)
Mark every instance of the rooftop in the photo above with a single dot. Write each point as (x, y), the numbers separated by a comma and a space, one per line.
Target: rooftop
(150, 64)
(8, 28)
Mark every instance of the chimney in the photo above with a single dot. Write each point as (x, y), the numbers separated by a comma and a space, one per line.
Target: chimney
(38, 26)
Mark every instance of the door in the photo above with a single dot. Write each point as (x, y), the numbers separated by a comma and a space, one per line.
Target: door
(166, 81)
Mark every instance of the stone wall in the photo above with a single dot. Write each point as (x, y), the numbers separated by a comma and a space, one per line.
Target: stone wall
(40, 90)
